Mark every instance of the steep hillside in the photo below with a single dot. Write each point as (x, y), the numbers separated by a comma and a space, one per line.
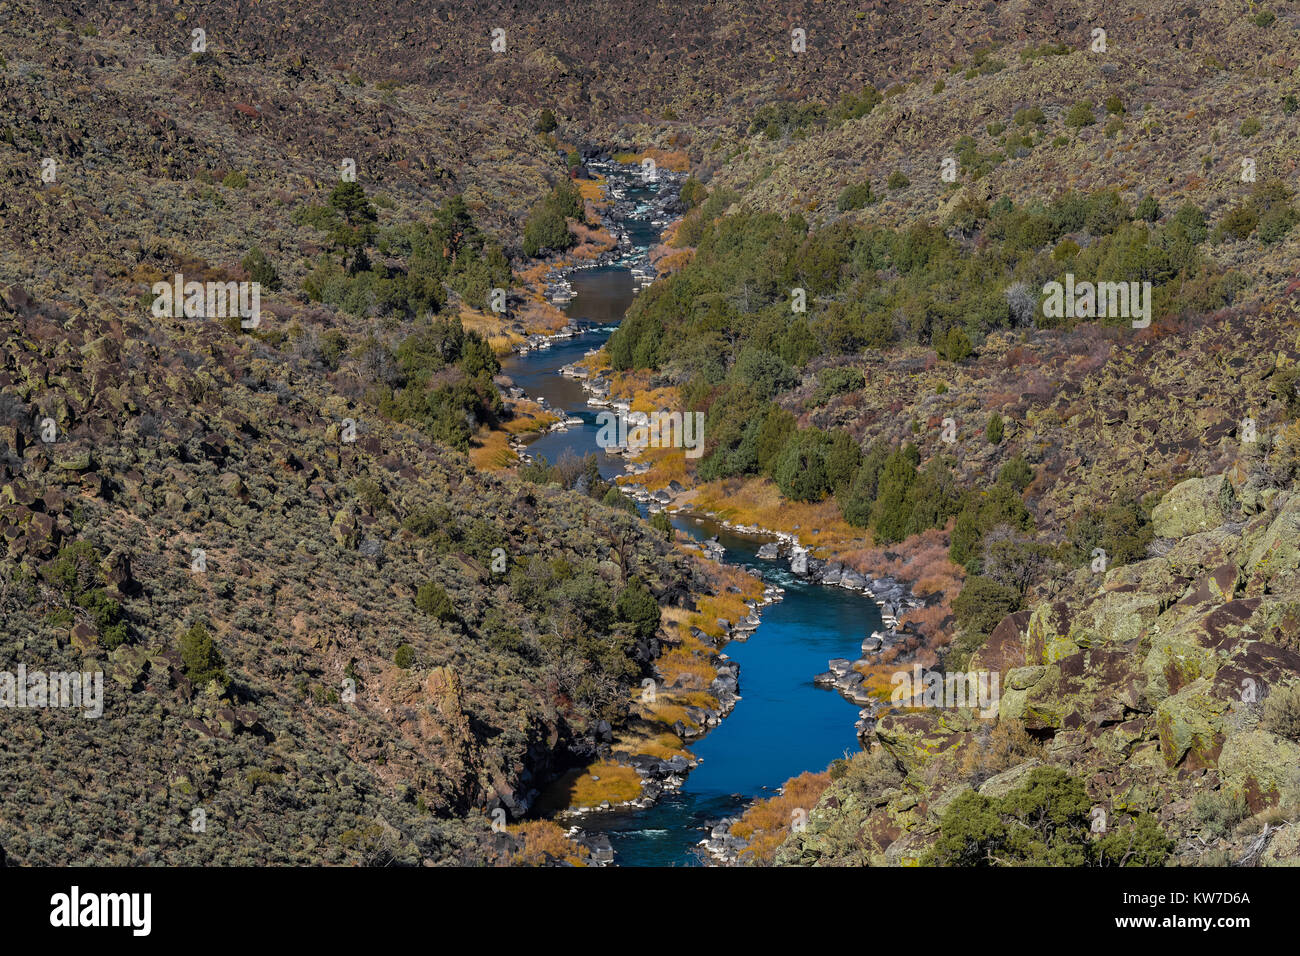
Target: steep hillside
(325, 637)
(329, 637)
(1165, 688)
(337, 650)
(860, 300)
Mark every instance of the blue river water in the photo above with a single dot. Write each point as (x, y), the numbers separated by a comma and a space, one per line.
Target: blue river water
(783, 724)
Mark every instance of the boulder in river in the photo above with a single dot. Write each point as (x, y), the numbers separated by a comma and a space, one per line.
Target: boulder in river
(713, 548)
(848, 681)
(852, 579)
(858, 695)
(602, 851)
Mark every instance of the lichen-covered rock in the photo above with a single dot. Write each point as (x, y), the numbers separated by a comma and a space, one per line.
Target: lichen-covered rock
(1020, 684)
(1048, 630)
(1273, 562)
(232, 485)
(999, 785)
(1178, 656)
(917, 738)
(935, 808)
(344, 528)
(1283, 848)
(1117, 616)
(1260, 765)
(1005, 648)
(1190, 724)
(1191, 506)
(73, 459)
(129, 665)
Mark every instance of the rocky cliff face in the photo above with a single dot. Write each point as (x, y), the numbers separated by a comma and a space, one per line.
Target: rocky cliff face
(1159, 684)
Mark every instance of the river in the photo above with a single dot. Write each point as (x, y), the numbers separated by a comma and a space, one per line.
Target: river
(783, 724)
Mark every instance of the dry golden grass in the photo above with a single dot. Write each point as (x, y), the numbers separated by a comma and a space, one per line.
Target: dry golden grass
(545, 841)
(673, 261)
(876, 680)
(529, 416)
(606, 781)
(659, 744)
(670, 232)
(589, 787)
(542, 318)
(490, 450)
(595, 361)
(729, 607)
(699, 698)
(748, 586)
(665, 711)
(634, 388)
(592, 241)
(767, 823)
(758, 501)
(672, 616)
(723, 604)
(691, 676)
(490, 447)
(683, 665)
(666, 466)
(654, 399)
(676, 160)
(533, 277)
(927, 620)
(492, 327)
(592, 190)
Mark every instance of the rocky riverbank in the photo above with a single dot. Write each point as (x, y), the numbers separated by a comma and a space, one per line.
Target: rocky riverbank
(652, 771)
(617, 211)
(722, 846)
(891, 595)
(659, 774)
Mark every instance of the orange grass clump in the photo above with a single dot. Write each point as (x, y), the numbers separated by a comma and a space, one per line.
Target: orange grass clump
(767, 823)
(545, 841)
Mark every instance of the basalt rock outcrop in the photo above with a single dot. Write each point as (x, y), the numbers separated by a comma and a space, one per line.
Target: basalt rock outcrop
(1148, 682)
